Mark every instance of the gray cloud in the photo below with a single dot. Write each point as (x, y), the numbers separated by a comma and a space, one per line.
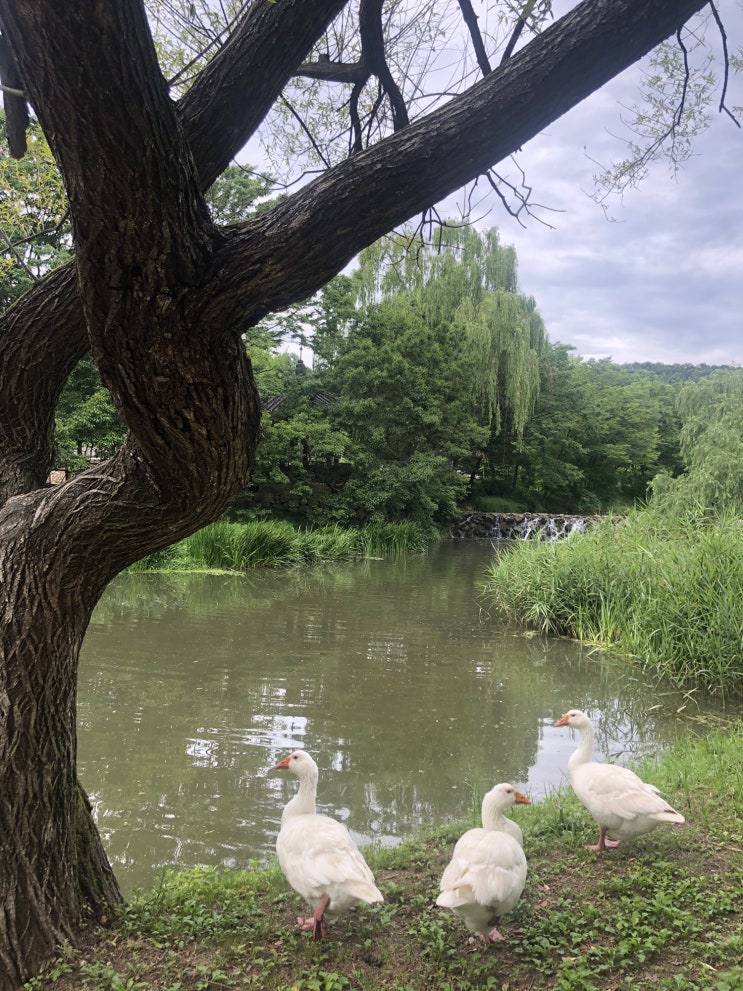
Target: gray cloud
(662, 280)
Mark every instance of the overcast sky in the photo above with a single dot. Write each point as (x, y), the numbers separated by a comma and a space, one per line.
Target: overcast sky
(664, 280)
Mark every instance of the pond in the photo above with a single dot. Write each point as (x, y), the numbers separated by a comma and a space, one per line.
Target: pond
(411, 696)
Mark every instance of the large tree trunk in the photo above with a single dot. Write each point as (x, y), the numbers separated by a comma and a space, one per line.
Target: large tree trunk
(161, 298)
(55, 875)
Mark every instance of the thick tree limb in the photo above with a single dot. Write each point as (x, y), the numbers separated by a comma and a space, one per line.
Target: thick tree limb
(233, 94)
(368, 195)
(219, 113)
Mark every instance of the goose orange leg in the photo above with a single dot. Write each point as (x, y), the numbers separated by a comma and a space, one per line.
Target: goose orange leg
(603, 843)
(317, 923)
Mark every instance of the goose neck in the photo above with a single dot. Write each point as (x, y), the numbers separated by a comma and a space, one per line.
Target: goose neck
(584, 750)
(303, 802)
(492, 816)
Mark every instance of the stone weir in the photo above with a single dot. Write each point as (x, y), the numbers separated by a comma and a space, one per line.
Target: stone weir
(517, 526)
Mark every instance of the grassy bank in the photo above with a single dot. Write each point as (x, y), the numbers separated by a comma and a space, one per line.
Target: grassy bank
(225, 546)
(667, 592)
(664, 913)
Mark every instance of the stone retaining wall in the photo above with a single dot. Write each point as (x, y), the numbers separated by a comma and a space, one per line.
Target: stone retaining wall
(517, 526)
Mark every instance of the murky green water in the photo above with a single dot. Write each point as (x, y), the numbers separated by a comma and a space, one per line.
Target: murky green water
(391, 673)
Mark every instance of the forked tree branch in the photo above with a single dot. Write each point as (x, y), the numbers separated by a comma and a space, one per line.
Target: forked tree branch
(372, 61)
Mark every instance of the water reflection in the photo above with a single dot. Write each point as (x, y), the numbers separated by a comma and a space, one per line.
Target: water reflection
(409, 695)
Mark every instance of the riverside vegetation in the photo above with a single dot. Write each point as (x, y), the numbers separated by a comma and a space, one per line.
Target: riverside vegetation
(664, 913)
(665, 591)
(240, 546)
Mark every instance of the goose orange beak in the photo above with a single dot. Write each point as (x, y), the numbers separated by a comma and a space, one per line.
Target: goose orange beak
(521, 799)
(282, 764)
(563, 721)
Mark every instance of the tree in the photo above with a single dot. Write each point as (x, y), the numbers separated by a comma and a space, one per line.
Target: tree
(161, 297)
(621, 435)
(711, 412)
(542, 469)
(468, 280)
(402, 398)
(598, 434)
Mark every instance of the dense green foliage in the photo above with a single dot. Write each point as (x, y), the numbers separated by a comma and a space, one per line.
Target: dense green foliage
(665, 590)
(664, 912)
(598, 435)
(434, 384)
(711, 410)
(420, 355)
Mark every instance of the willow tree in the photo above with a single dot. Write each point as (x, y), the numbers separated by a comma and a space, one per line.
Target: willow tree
(468, 279)
(711, 412)
(162, 297)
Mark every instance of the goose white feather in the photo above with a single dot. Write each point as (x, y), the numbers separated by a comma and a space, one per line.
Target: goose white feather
(622, 803)
(316, 853)
(487, 871)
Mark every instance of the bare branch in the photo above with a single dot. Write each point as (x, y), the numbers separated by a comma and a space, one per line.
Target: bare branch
(521, 194)
(372, 62)
(297, 117)
(11, 91)
(470, 19)
(526, 12)
(19, 259)
(726, 62)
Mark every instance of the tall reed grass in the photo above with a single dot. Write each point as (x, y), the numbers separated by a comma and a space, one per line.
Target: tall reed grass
(224, 546)
(669, 592)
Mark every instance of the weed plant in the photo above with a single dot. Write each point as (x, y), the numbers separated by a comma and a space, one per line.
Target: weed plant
(669, 593)
(662, 913)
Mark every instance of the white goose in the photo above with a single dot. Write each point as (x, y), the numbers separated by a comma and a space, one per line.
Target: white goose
(487, 872)
(316, 853)
(622, 804)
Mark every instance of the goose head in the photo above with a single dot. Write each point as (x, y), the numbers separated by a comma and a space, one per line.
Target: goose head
(501, 797)
(300, 764)
(575, 718)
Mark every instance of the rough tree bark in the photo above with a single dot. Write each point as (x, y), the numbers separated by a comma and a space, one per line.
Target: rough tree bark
(162, 298)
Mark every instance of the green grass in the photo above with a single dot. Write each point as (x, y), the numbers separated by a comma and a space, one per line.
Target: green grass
(663, 913)
(668, 593)
(226, 546)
